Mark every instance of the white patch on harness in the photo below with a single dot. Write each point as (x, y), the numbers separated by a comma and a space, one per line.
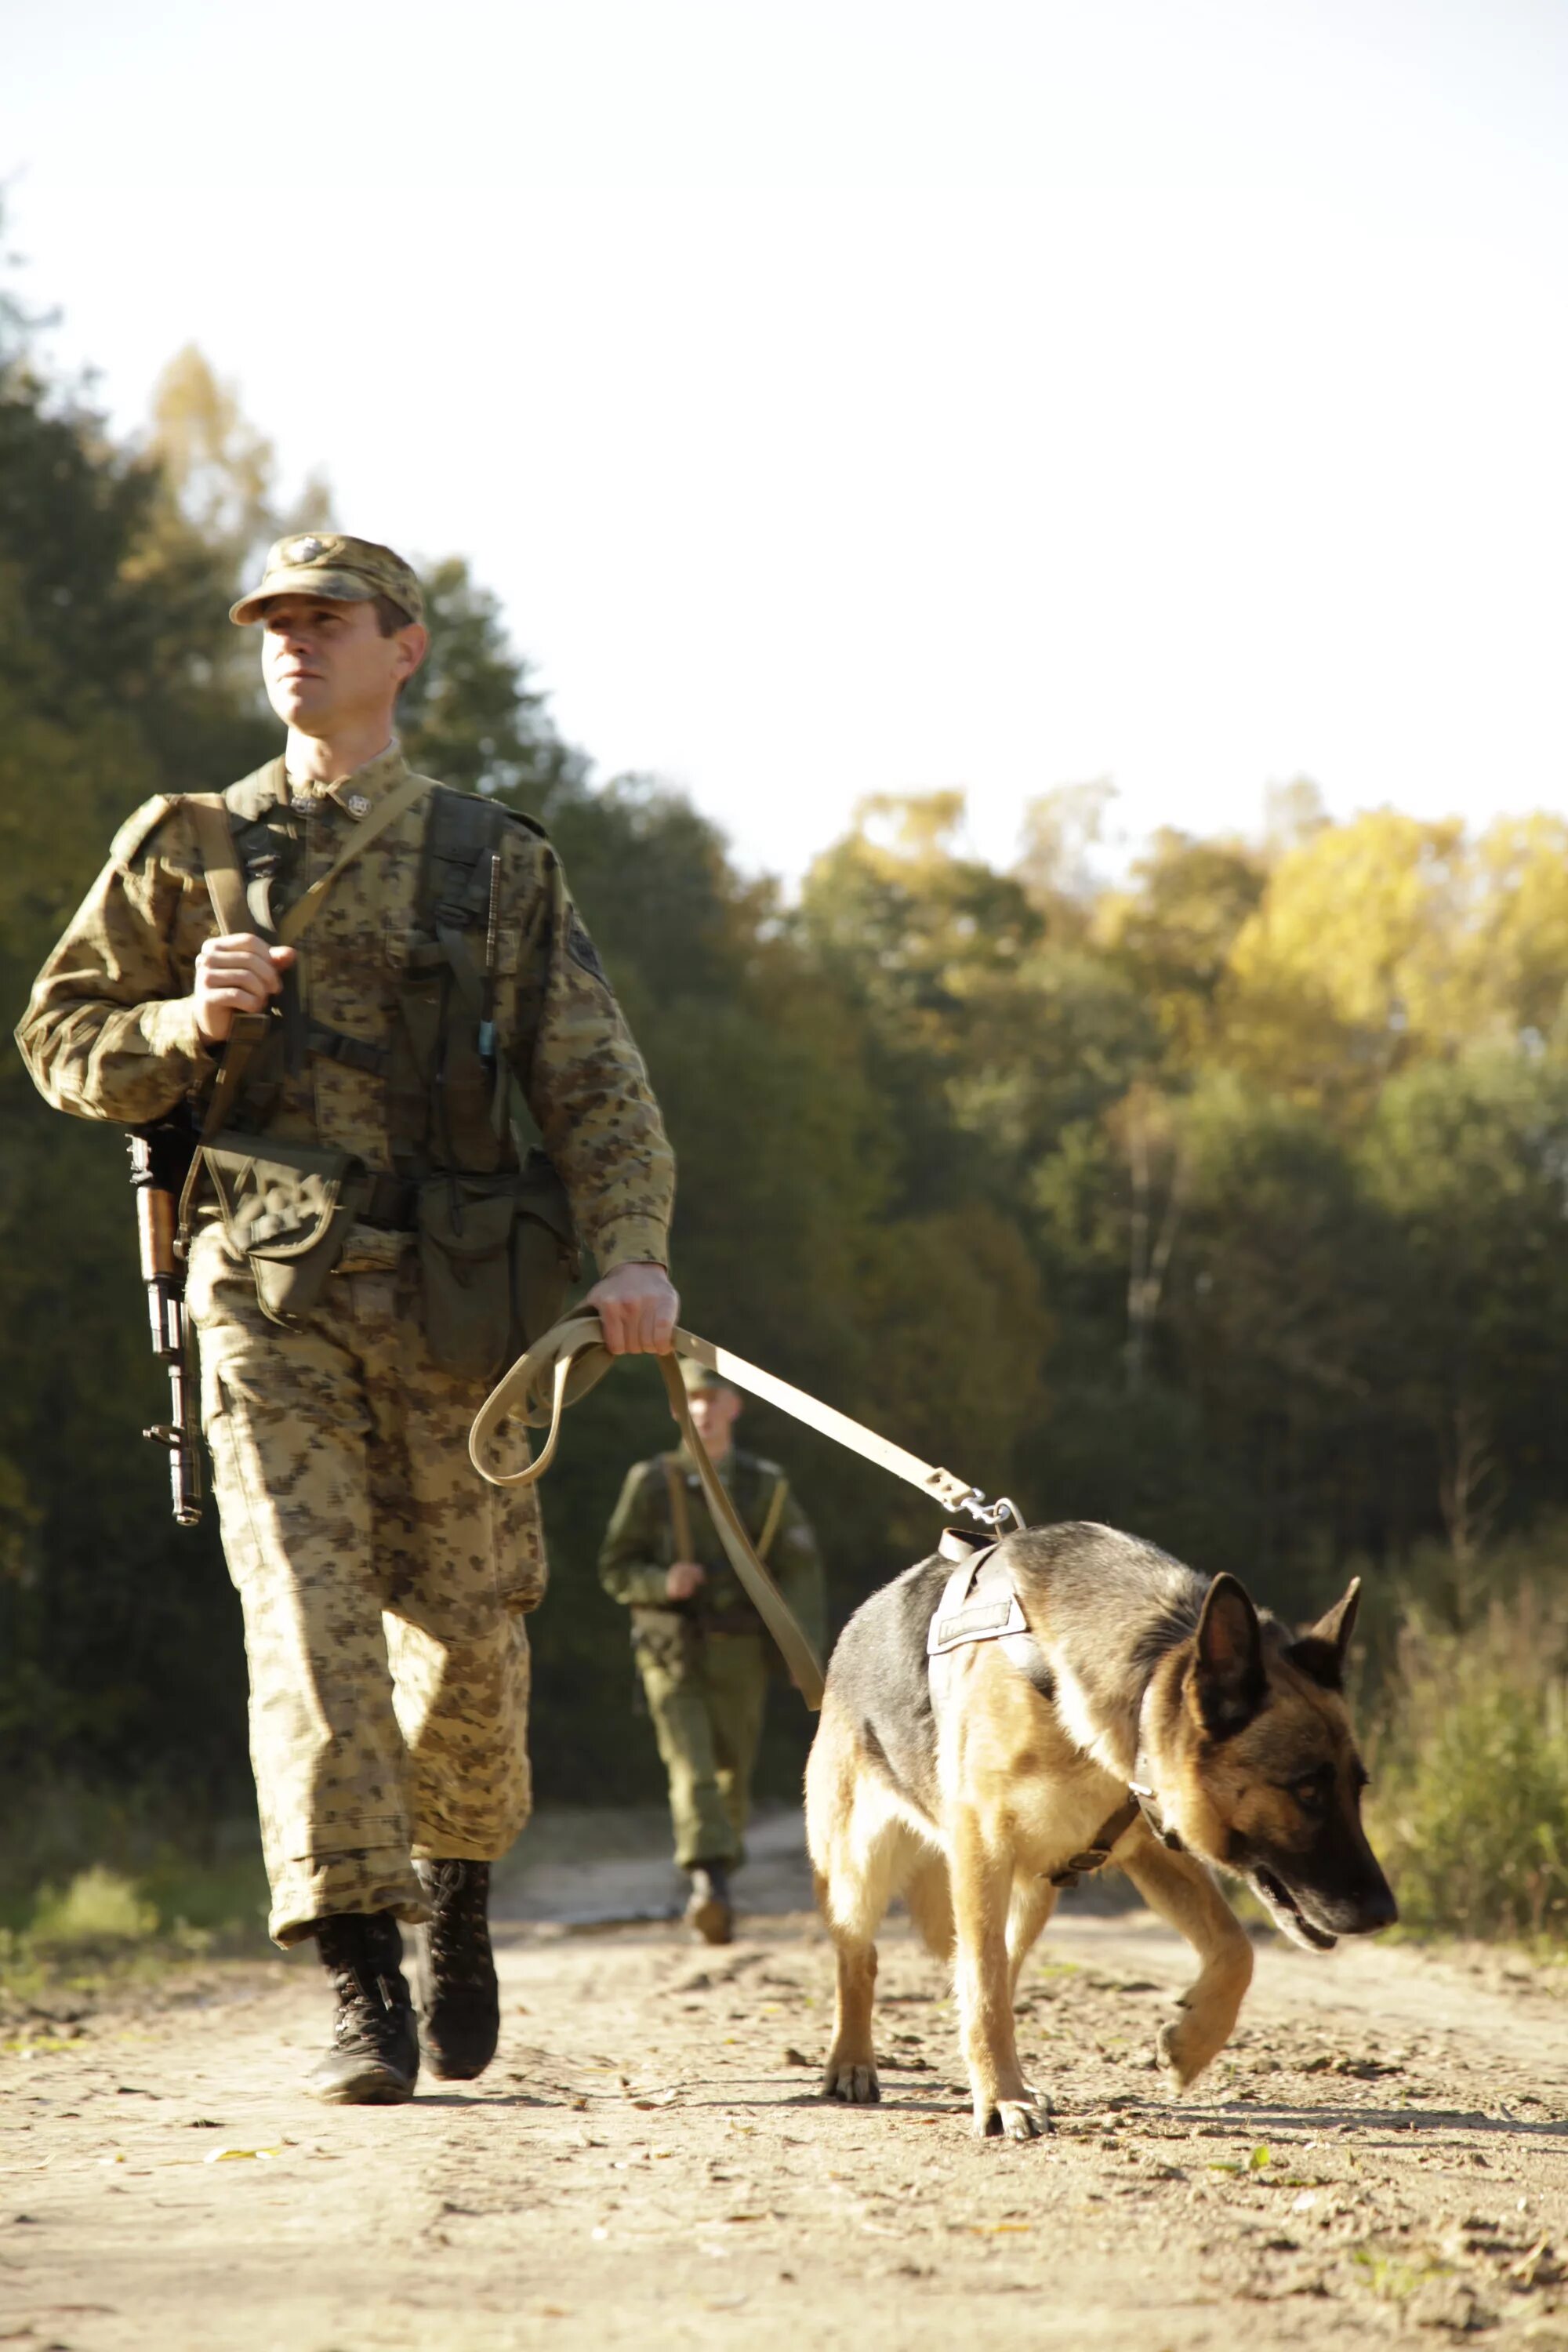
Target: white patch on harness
(959, 1620)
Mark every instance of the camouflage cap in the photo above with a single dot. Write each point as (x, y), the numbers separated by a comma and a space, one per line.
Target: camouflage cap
(324, 563)
(698, 1377)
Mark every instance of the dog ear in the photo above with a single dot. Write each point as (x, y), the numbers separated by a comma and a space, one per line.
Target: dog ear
(1322, 1648)
(1229, 1672)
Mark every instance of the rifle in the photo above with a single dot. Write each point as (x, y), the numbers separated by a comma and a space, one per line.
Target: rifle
(160, 1158)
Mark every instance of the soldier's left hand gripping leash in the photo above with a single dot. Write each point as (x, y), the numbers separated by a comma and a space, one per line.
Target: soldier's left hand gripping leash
(572, 1357)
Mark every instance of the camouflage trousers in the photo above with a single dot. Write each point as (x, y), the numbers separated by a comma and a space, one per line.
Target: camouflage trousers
(383, 1583)
(706, 1695)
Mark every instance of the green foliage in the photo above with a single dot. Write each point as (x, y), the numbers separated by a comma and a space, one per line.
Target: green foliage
(100, 1907)
(1470, 1765)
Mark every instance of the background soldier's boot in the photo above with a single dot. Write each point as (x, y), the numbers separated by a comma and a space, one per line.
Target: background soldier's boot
(375, 2058)
(708, 1908)
(459, 2003)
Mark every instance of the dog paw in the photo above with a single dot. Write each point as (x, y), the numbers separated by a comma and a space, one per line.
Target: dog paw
(1182, 2052)
(1021, 2119)
(857, 2086)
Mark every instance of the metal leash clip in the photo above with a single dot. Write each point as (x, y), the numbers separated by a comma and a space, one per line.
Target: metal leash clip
(992, 1515)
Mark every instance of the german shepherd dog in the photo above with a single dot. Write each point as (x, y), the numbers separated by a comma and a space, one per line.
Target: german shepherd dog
(1130, 1705)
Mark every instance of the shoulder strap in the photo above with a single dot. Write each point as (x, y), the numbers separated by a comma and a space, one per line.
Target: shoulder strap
(307, 908)
(774, 1514)
(225, 883)
(226, 888)
(679, 1509)
(220, 863)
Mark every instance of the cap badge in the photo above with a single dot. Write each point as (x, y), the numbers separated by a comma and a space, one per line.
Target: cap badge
(356, 803)
(304, 550)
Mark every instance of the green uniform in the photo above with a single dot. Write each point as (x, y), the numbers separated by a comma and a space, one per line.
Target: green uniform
(384, 1582)
(705, 1662)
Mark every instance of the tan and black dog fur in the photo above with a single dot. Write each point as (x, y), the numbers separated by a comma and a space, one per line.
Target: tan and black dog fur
(966, 1803)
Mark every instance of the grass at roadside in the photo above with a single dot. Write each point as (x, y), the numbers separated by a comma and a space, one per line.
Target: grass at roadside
(102, 1887)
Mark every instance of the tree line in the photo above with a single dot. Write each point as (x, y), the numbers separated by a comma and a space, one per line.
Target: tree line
(1221, 1197)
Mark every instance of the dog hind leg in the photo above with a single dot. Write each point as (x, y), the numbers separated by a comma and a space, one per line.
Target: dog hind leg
(862, 1853)
(854, 1901)
(1183, 1893)
(850, 2073)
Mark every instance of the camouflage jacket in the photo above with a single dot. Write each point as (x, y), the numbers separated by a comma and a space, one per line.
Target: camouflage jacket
(111, 1030)
(641, 1543)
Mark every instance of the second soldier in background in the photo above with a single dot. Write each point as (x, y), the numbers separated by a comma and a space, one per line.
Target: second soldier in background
(701, 1647)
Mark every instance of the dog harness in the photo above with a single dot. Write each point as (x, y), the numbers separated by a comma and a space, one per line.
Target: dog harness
(980, 1603)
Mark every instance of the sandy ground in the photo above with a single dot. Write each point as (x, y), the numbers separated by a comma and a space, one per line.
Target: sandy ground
(1381, 2155)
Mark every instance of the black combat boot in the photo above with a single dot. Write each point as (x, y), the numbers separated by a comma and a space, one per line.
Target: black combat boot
(708, 1908)
(459, 2002)
(375, 2058)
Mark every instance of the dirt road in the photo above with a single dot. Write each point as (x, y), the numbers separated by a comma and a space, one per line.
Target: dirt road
(1381, 2155)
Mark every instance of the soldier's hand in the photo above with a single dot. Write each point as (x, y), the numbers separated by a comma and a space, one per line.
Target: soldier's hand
(236, 974)
(637, 1306)
(683, 1579)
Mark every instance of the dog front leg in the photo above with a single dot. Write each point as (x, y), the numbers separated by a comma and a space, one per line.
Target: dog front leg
(981, 1893)
(1182, 1891)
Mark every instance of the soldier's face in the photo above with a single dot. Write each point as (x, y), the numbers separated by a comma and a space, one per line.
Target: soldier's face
(327, 664)
(715, 1412)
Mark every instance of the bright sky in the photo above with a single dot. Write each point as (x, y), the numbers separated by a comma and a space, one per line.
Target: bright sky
(850, 395)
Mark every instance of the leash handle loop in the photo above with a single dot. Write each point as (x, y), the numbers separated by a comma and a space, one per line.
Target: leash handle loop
(573, 1347)
(568, 1360)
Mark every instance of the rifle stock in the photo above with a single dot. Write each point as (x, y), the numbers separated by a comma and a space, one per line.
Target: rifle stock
(160, 1156)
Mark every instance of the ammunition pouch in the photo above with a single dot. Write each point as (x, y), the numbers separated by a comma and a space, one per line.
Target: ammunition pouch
(497, 1255)
(287, 1209)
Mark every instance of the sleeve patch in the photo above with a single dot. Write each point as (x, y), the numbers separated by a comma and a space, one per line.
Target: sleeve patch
(582, 951)
(139, 825)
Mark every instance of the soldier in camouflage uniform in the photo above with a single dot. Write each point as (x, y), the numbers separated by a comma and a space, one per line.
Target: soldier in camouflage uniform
(383, 1583)
(701, 1647)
